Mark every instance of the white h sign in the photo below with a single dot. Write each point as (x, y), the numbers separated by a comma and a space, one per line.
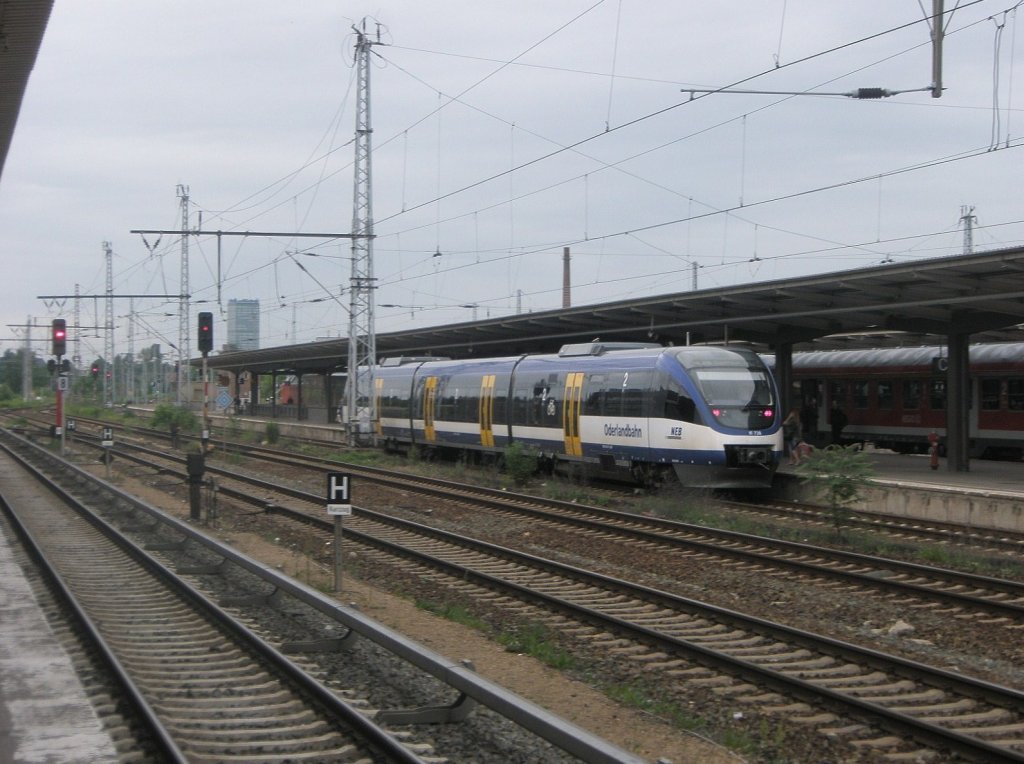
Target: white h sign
(339, 500)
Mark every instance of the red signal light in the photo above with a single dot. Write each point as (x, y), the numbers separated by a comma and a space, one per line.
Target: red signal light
(58, 335)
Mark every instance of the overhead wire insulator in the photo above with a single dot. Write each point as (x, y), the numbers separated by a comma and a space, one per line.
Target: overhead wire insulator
(869, 93)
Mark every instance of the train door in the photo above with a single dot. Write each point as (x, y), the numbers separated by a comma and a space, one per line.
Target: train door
(571, 413)
(486, 413)
(429, 404)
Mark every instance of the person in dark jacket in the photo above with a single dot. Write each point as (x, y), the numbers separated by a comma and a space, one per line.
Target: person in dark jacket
(791, 433)
(837, 419)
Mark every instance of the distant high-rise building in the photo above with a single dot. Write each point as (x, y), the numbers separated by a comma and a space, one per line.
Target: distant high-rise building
(244, 324)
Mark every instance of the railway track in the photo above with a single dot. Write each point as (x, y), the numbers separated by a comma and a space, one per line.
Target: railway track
(509, 720)
(961, 592)
(901, 528)
(207, 686)
(894, 526)
(846, 690)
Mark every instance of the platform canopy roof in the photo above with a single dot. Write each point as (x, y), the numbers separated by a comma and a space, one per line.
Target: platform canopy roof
(22, 24)
(920, 303)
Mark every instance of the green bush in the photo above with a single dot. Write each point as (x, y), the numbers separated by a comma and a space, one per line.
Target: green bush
(520, 463)
(839, 474)
(167, 416)
(273, 432)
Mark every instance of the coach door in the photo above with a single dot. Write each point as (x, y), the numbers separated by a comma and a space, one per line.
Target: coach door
(487, 411)
(571, 413)
(429, 402)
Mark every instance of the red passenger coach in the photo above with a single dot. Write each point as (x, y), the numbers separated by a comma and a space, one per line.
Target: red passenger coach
(895, 397)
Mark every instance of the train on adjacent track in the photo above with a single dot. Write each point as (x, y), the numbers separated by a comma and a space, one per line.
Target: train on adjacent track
(708, 415)
(896, 397)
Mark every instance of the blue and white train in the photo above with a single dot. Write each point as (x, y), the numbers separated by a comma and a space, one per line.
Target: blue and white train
(708, 414)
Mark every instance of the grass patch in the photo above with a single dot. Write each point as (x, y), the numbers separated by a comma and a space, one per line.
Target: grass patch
(634, 695)
(455, 613)
(561, 489)
(536, 641)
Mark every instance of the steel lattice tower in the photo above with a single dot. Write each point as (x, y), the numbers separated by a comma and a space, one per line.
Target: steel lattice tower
(362, 339)
(184, 346)
(108, 333)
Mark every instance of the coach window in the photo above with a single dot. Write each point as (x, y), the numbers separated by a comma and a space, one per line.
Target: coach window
(885, 396)
(860, 395)
(674, 401)
(990, 394)
(1015, 394)
(937, 395)
(447, 400)
(837, 393)
(393, 399)
(521, 397)
(592, 401)
(501, 401)
(635, 385)
(911, 394)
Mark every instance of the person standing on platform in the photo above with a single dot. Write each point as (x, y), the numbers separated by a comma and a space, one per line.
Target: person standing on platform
(837, 419)
(791, 433)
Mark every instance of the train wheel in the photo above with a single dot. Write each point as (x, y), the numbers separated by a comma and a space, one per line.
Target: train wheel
(647, 476)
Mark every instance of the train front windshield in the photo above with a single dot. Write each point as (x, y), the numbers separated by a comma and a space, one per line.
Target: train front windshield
(735, 385)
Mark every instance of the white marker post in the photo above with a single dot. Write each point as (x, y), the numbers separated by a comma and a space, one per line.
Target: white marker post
(108, 443)
(339, 504)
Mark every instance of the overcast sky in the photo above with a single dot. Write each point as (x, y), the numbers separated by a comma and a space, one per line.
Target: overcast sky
(502, 132)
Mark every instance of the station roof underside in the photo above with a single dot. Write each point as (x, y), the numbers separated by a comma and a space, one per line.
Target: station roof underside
(22, 24)
(922, 303)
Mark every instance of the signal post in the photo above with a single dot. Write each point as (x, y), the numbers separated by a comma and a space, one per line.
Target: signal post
(58, 346)
(205, 346)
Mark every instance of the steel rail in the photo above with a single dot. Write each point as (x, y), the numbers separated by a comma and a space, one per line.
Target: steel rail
(549, 726)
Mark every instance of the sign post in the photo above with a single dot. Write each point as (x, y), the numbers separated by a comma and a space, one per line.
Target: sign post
(339, 504)
(107, 443)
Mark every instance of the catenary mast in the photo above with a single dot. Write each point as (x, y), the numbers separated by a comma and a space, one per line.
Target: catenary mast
(362, 341)
(108, 329)
(184, 346)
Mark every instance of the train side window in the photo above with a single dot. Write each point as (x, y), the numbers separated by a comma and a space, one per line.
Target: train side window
(522, 395)
(860, 395)
(990, 394)
(447, 400)
(612, 403)
(885, 394)
(678, 403)
(634, 393)
(937, 395)
(539, 402)
(837, 392)
(1015, 394)
(501, 400)
(911, 394)
(594, 396)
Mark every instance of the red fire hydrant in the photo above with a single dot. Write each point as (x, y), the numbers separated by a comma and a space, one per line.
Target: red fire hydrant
(933, 449)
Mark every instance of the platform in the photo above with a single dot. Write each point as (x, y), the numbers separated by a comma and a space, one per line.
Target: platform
(45, 715)
(989, 495)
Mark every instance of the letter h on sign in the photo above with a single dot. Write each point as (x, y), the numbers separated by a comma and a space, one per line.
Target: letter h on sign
(339, 499)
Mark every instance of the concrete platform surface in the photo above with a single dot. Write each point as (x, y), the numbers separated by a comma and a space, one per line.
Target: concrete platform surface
(45, 716)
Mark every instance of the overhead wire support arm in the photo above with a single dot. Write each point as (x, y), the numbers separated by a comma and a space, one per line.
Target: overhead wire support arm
(269, 234)
(862, 94)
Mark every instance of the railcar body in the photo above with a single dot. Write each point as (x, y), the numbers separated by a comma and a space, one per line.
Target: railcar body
(895, 397)
(709, 414)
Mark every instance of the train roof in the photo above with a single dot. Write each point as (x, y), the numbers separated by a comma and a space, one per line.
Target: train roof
(994, 353)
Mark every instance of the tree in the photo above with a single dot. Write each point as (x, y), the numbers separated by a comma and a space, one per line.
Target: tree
(840, 474)
(11, 365)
